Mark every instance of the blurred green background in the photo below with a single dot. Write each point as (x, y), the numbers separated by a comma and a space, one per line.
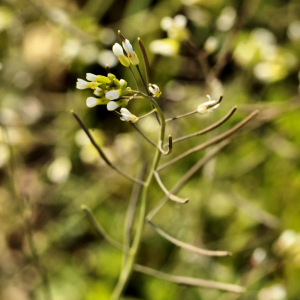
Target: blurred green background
(246, 200)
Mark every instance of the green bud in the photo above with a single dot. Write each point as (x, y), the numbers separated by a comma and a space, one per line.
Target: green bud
(122, 102)
(111, 76)
(103, 79)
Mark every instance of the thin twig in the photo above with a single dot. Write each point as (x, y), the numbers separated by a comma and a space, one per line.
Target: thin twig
(195, 111)
(168, 194)
(130, 97)
(191, 281)
(137, 86)
(101, 153)
(210, 128)
(188, 176)
(100, 230)
(187, 246)
(148, 114)
(213, 141)
(181, 116)
(143, 135)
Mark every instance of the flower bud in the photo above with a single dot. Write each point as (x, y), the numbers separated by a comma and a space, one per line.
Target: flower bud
(98, 92)
(112, 95)
(207, 106)
(154, 89)
(127, 116)
(128, 47)
(82, 84)
(113, 105)
(91, 101)
(131, 54)
(118, 51)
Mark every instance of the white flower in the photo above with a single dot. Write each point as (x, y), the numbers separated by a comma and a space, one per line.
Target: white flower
(131, 54)
(91, 77)
(112, 105)
(180, 21)
(117, 49)
(91, 101)
(154, 89)
(112, 95)
(207, 106)
(97, 91)
(127, 116)
(128, 47)
(166, 23)
(122, 82)
(82, 84)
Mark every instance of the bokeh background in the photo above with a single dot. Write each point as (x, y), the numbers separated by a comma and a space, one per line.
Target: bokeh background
(246, 200)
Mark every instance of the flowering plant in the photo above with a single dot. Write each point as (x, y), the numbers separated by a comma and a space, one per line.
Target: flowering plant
(115, 93)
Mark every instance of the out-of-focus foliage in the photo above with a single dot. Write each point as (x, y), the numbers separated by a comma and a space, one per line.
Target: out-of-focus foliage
(245, 201)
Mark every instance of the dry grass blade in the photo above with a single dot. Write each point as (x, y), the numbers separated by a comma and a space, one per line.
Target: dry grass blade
(213, 141)
(168, 194)
(210, 128)
(187, 246)
(191, 281)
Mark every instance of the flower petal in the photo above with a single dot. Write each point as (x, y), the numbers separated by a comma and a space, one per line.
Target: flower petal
(112, 95)
(91, 77)
(112, 105)
(91, 101)
(117, 49)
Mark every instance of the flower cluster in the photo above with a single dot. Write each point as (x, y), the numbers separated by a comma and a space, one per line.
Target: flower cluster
(131, 57)
(114, 93)
(107, 88)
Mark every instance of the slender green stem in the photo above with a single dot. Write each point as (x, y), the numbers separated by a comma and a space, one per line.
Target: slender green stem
(128, 266)
(131, 212)
(137, 86)
(144, 83)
